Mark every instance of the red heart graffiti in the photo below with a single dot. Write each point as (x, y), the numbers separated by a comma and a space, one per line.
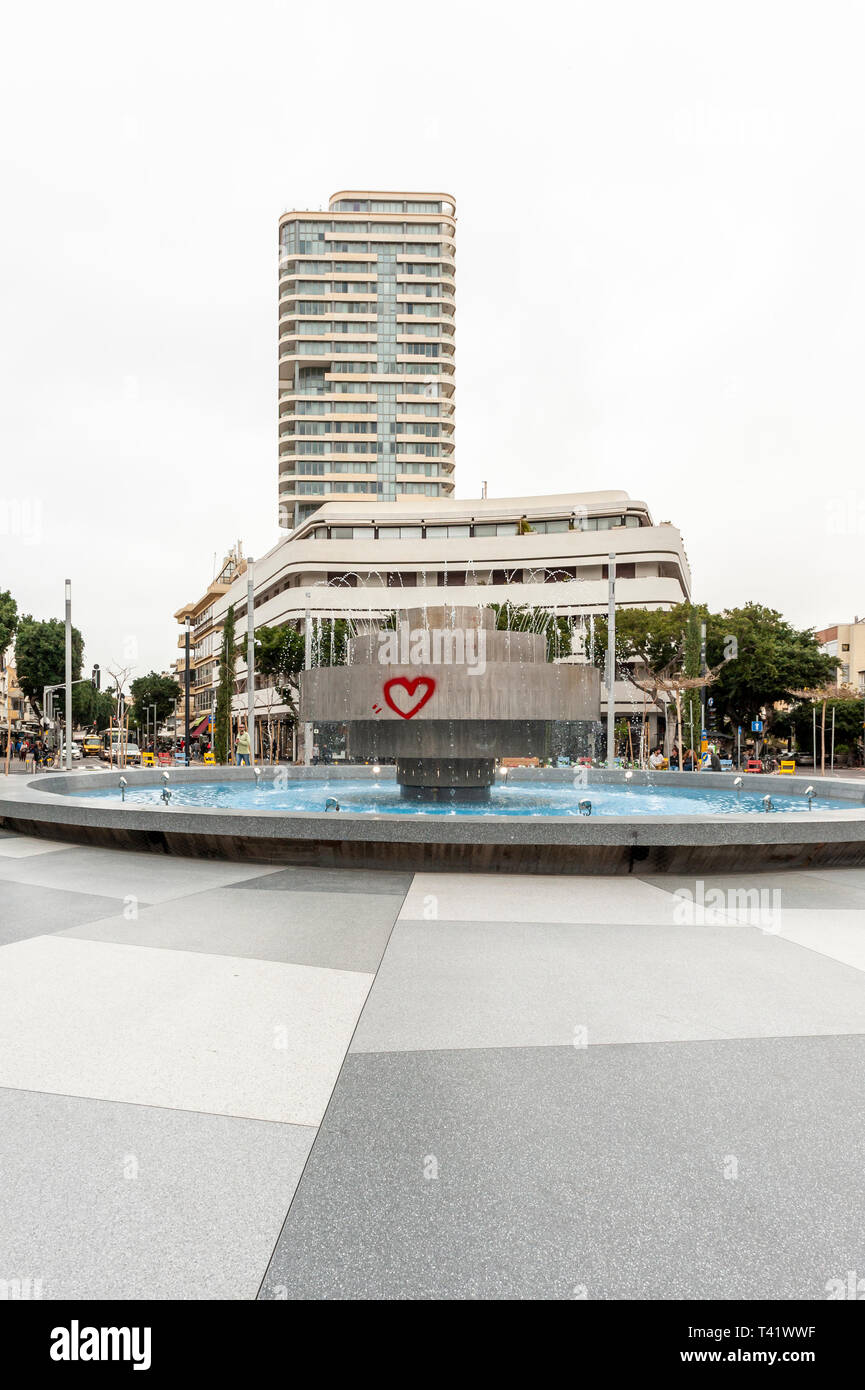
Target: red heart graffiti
(410, 687)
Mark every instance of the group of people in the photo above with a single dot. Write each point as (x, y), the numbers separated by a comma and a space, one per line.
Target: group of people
(691, 761)
(26, 746)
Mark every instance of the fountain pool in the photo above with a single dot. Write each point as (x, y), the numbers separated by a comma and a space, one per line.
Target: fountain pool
(530, 821)
(536, 798)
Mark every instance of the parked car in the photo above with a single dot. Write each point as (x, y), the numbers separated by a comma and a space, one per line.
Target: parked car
(76, 752)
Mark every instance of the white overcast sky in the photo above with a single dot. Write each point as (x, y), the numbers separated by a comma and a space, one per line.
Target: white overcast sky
(659, 286)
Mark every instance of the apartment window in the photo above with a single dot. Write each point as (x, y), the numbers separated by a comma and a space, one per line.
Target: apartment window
(623, 571)
(449, 532)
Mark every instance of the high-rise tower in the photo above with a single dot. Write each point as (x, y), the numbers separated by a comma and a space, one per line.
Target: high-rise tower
(366, 350)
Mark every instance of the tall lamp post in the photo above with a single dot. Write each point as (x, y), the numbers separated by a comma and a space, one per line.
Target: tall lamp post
(250, 656)
(611, 663)
(307, 663)
(68, 676)
(186, 695)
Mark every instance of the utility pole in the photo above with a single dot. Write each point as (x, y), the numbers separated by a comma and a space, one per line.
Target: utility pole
(250, 656)
(186, 694)
(703, 669)
(68, 676)
(307, 663)
(611, 662)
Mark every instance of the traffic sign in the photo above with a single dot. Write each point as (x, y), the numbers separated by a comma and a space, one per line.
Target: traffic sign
(756, 726)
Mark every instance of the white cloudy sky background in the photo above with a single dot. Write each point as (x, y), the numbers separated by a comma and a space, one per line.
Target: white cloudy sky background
(659, 286)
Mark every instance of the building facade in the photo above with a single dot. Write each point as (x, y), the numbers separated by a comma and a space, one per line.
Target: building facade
(16, 711)
(205, 620)
(366, 351)
(363, 561)
(847, 642)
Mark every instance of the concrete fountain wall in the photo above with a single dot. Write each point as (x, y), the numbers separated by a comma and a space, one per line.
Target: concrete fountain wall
(687, 844)
(447, 694)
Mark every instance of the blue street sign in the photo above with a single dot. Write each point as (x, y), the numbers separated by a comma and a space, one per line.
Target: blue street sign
(756, 726)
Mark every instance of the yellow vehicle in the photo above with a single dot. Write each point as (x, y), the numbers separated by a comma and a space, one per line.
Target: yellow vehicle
(91, 746)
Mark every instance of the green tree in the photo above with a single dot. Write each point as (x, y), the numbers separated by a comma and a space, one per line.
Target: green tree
(798, 722)
(224, 691)
(153, 689)
(770, 659)
(655, 637)
(8, 619)
(40, 655)
(92, 708)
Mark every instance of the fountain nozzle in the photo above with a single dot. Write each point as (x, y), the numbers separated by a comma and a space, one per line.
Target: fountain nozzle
(585, 807)
(123, 784)
(767, 803)
(331, 804)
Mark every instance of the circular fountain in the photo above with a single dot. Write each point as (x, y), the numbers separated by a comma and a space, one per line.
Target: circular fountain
(445, 694)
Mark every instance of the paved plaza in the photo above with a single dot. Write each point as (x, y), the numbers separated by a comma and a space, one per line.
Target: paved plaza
(231, 1081)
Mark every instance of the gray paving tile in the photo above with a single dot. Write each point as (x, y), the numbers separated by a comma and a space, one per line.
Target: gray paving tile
(313, 880)
(149, 878)
(505, 984)
(325, 929)
(102, 1200)
(26, 910)
(792, 891)
(605, 1173)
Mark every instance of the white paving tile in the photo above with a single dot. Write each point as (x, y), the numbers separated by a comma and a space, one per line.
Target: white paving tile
(23, 846)
(178, 1029)
(838, 933)
(444, 985)
(150, 878)
(108, 1201)
(535, 898)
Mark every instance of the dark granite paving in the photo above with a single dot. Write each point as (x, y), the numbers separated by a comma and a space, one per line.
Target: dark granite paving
(27, 910)
(654, 1171)
(331, 881)
(575, 1092)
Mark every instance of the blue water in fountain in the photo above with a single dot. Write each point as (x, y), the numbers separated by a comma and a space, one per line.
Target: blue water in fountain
(518, 799)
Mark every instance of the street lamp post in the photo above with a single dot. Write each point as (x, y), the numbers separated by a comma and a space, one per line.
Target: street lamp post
(68, 676)
(186, 695)
(250, 656)
(611, 662)
(307, 663)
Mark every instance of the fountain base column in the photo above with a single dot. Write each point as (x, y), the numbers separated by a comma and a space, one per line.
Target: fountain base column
(445, 779)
